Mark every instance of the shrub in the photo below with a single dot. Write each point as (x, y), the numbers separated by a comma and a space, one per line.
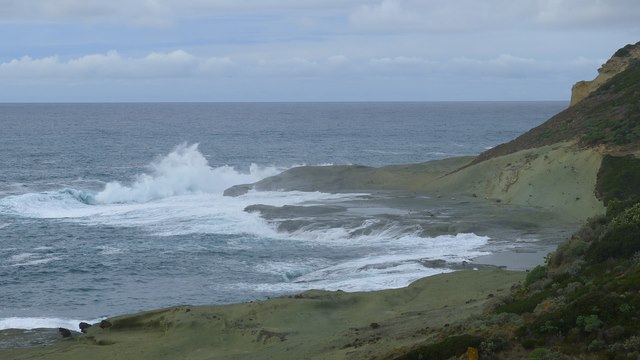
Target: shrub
(543, 354)
(589, 323)
(619, 242)
(618, 178)
(537, 273)
(452, 346)
(630, 216)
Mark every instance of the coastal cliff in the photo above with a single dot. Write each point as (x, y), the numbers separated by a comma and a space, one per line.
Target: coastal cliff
(617, 64)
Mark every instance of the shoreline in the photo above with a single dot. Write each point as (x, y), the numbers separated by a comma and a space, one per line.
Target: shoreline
(323, 323)
(476, 215)
(167, 333)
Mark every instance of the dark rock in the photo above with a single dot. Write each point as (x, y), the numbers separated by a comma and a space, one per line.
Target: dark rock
(64, 332)
(237, 190)
(105, 324)
(84, 326)
(374, 325)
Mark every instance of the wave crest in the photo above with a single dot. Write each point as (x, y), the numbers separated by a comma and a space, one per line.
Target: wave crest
(183, 171)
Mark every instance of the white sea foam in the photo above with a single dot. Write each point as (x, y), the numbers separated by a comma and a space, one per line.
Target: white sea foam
(184, 171)
(109, 250)
(393, 263)
(30, 259)
(20, 257)
(29, 323)
(181, 194)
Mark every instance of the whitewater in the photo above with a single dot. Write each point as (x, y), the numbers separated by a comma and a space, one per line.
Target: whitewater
(111, 209)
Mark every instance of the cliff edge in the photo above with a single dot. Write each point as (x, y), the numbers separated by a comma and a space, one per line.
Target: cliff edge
(618, 63)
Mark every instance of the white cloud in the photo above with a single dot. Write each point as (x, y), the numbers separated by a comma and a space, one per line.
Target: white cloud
(509, 66)
(177, 63)
(148, 12)
(181, 64)
(401, 65)
(367, 15)
(464, 15)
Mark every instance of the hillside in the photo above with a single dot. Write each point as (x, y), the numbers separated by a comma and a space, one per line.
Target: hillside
(582, 304)
(608, 115)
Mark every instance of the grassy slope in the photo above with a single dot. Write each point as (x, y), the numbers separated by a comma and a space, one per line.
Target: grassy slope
(609, 116)
(584, 303)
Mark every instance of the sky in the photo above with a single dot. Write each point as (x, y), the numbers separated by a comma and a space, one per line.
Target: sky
(306, 50)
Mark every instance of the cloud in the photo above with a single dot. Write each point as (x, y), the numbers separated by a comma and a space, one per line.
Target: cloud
(359, 15)
(112, 65)
(509, 66)
(181, 64)
(149, 12)
(465, 15)
(587, 13)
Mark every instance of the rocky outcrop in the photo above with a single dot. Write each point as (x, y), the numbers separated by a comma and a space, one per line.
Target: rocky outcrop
(560, 178)
(618, 63)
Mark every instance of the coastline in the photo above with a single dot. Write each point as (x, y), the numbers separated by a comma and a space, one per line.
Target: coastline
(339, 324)
(314, 324)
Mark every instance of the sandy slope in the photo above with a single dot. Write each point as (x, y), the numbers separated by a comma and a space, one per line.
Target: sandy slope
(560, 178)
(313, 325)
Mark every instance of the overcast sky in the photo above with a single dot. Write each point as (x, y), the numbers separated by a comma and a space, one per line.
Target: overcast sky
(306, 50)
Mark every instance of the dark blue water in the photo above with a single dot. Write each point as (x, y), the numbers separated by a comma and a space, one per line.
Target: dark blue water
(103, 211)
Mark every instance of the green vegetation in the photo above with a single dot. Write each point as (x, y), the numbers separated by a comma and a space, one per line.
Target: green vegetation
(537, 273)
(583, 303)
(453, 346)
(589, 303)
(618, 178)
(543, 354)
(608, 116)
(614, 117)
(625, 51)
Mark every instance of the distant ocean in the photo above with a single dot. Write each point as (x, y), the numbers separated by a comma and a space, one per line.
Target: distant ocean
(108, 209)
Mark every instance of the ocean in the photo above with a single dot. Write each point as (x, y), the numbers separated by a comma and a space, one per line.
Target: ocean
(107, 209)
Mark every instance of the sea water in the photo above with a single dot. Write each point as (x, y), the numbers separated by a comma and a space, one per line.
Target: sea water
(108, 209)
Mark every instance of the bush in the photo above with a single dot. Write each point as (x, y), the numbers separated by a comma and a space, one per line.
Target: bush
(524, 305)
(536, 274)
(543, 354)
(619, 242)
(452, 346)
(618, 178)
(589, 323)
(630, 216)
(621, 239)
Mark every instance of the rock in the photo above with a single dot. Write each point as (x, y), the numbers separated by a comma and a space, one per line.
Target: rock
(64, 332)
(105, 324)
(237, 190)
(84, 326)
(615, 65)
